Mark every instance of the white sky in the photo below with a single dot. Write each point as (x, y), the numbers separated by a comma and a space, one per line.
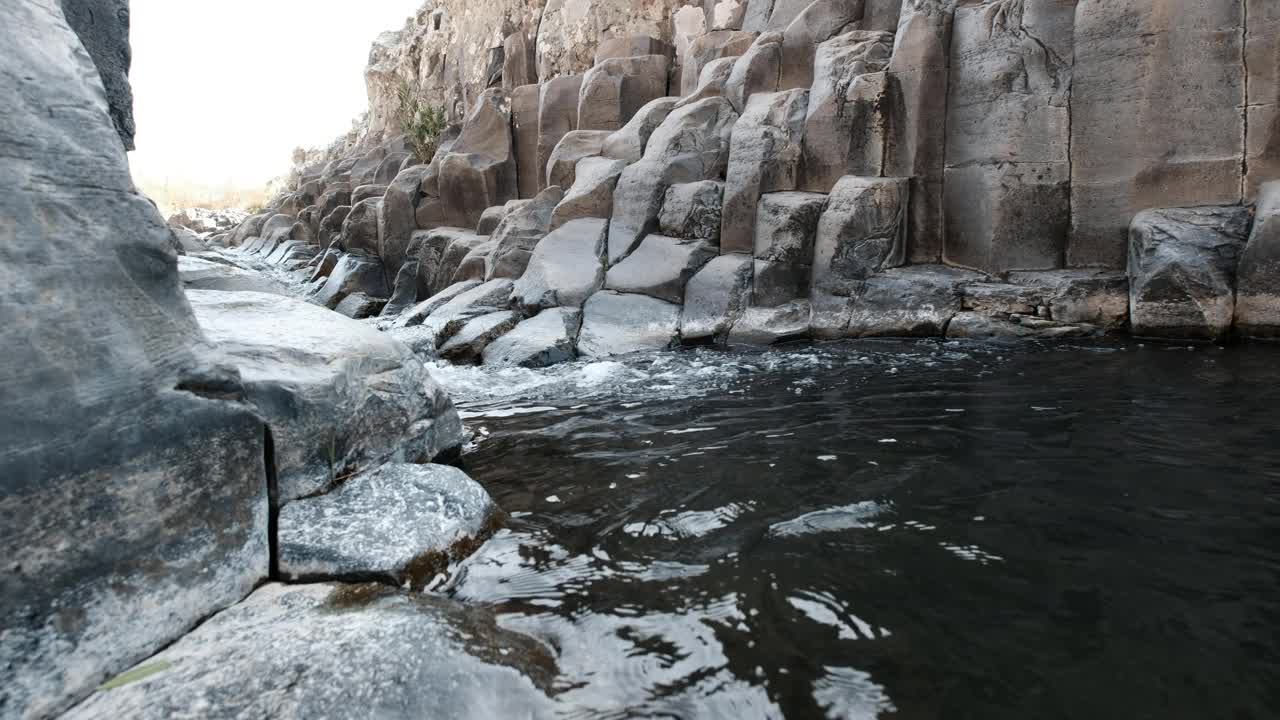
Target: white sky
(224, 90)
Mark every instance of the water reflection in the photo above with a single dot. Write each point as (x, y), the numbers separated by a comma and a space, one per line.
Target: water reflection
(892, 529)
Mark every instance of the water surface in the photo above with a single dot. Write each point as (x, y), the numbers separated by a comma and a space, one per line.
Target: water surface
(889, 529)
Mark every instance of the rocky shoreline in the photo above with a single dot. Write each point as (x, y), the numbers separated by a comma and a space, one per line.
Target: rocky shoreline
(225, 480)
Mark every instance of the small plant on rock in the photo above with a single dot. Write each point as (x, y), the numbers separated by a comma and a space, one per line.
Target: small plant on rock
(421, 122)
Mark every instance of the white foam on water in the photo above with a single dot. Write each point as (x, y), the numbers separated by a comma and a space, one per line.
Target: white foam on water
(845, 517)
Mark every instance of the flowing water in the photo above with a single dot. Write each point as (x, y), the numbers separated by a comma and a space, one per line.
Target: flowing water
(889, 529)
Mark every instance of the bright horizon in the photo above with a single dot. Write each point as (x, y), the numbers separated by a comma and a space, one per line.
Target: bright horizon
(224, 91)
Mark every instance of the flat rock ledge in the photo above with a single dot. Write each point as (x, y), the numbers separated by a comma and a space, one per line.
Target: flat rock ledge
(335, 651)
(398, 524)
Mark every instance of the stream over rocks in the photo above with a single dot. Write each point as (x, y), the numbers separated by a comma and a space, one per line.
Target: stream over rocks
(914, 529)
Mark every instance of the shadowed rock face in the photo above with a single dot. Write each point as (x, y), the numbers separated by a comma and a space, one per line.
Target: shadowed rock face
(133, 495)
(103, 27)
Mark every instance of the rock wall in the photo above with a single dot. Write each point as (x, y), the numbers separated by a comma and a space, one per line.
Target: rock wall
(103, 28)
(876, 166)
(133, 494)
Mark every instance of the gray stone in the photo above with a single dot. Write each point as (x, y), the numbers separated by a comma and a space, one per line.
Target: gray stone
(436, 262)
(1093, 297)
(979, 326)
(712, 81)
(377, 524)
(566, 268)
(185, 241)
(201, 274)
(557, 115)
(390, 167)
(368, 191)
(547, 338)
(709, 47)
(133, 497)
(416, 314)
(491, 217)
(352, 274)
(103, 28)
(470, 341)
(756, 71)
(331, 225)
(359, 306)
(715, 297)
(398, 220)
(1262, 122)
(251, 227)
(519, 62)
(1182, 270)
(616, 88)
(628, 143)
(418, 338)
(769, 325)
(627, 46)
(785, 228)
(333, 650)
(363, 170)
(591, 195)
(473, 263)
(846, 127)
(1007, 196)
(360, 231)
(1151, 128)
(524, 133)
(918, 73)
(660, 267)
(518, 234)
(479, 171)
(617, 324)
(404, 292)
(862, 231)
(820, 21)
(692, 144)
(693, 211)
(914, 301)
(1257, 312)
(574, 146)
(764, 157)
(337, 393)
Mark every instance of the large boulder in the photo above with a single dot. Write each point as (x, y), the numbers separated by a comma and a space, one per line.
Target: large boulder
(591, 195)
(769, 325)
(334, 650)
(863, 230)
(566, 267)
(708, 48)
(786, 224)
(479, 171)
(518, 234)
(377, 524)
(331, 225)
(715, 297)
(547, 338)
(712, 81)
(820, 21)
(1182, 270)
(629, 142)
(338, 395)
(361, 228)
(557, 115)
(764, 157)
(660, 267)
(846, 125)
(1258, 277)
(133, 484)
(692, 144)
(353, 274)
(617, 324)
(756, 71)
(693, 211)
(398, 219)
(524, 133)
(466, 345)
(616, 88)
(573, 147)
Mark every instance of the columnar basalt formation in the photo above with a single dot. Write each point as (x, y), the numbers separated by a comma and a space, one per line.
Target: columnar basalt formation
(866, 162)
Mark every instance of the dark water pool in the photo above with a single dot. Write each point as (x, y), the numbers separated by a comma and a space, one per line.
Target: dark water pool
(890, 529)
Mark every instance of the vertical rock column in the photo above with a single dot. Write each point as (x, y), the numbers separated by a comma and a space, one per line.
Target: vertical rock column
(918, 74)
(1007, 191)
(1156, 119)
(1262, 59)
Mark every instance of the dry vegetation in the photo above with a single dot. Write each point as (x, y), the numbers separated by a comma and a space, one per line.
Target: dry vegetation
(173, 195)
